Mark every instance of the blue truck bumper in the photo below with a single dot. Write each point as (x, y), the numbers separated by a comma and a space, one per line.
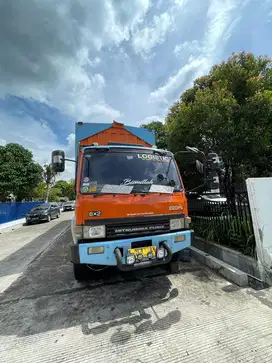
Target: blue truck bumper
(112, 256)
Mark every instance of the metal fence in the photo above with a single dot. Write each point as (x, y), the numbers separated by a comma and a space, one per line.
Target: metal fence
(12, 211)
(223, 221)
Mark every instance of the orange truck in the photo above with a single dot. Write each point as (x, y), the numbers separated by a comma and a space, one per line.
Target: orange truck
(131, 209)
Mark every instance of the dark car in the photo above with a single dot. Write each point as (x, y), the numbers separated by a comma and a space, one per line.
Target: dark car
(43, 212)
(71, 205)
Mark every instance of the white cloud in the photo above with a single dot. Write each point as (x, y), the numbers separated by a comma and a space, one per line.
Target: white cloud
(187, 47)
(79, 56)
(166, 93)
(38, 138)
(146, 38)
(71, 138)
(2, 142)
(219, 18)
(102, 109)
(152, 118)
(180, 3)
(50, 55)
(205, 53)
(94, 62)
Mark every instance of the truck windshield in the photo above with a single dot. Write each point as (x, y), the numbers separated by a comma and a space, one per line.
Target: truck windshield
(125, 172)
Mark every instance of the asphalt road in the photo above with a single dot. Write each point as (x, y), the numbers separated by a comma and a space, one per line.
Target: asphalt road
(21, 244)
(148, 316)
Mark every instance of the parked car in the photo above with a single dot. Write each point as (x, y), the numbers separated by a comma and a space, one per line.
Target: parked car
(43, 212)
(70, 205)
(60, 204)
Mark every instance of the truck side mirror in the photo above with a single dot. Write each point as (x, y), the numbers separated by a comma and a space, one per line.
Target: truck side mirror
(58, 161)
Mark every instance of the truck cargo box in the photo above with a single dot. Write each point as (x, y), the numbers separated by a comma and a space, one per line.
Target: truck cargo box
(89, 133)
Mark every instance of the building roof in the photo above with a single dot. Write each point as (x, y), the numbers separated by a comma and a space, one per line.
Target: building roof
(85, 130)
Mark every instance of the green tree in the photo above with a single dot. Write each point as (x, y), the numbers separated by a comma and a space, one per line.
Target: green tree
(228, 111)
(19, 173)
(63, 186)
(54, 195)
(160, 132)
(39, 193)
(71, 190)
(67, 188)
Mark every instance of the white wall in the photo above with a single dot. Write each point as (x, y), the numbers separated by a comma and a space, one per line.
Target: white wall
(260, 199)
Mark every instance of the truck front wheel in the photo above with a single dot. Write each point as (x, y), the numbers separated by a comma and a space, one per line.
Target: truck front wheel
(80, 272)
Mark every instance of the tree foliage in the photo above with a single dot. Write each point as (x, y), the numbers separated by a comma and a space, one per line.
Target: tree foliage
(228, 111)
(19, 174)
(61, 190)
(67, 188)
(160, 132)
(39, 193)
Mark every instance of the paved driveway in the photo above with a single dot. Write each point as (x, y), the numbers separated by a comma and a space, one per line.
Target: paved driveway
(148, 316)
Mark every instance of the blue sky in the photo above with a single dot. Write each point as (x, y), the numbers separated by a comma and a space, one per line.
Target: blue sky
(95, 61)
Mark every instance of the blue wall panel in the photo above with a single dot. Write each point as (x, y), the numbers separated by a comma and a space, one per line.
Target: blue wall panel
(12, 211)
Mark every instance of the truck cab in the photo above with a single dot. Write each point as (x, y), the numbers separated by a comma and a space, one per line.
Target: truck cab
(131, 209)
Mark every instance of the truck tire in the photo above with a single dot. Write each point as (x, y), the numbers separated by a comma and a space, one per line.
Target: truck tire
(183, 256)
(80, 272)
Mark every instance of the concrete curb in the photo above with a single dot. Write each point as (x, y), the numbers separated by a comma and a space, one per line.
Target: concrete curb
(231, 273)
(11, 224)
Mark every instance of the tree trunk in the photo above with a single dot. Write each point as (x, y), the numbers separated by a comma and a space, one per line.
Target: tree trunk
(47, 193)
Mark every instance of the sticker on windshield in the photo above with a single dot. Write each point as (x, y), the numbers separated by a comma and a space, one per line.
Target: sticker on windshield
(84, 190)
(161, 189)
(112, 189)
(85, 184)
(154, 157)
(86, 180)
(136, 182)
(92, 188)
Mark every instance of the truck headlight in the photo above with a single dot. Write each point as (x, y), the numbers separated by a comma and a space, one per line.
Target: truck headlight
(176, 224)
(94, 232)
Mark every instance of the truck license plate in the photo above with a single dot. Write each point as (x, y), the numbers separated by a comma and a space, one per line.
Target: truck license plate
(143, 253)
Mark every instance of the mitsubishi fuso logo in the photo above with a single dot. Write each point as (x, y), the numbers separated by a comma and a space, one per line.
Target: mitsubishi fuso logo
(138, 229)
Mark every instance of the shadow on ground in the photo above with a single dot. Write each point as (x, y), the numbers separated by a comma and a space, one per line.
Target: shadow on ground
(47, 298)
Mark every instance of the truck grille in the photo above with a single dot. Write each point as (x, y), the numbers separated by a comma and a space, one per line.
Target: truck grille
(127, 229)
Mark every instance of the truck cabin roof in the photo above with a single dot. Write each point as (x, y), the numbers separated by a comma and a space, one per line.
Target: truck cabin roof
(128, 146)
